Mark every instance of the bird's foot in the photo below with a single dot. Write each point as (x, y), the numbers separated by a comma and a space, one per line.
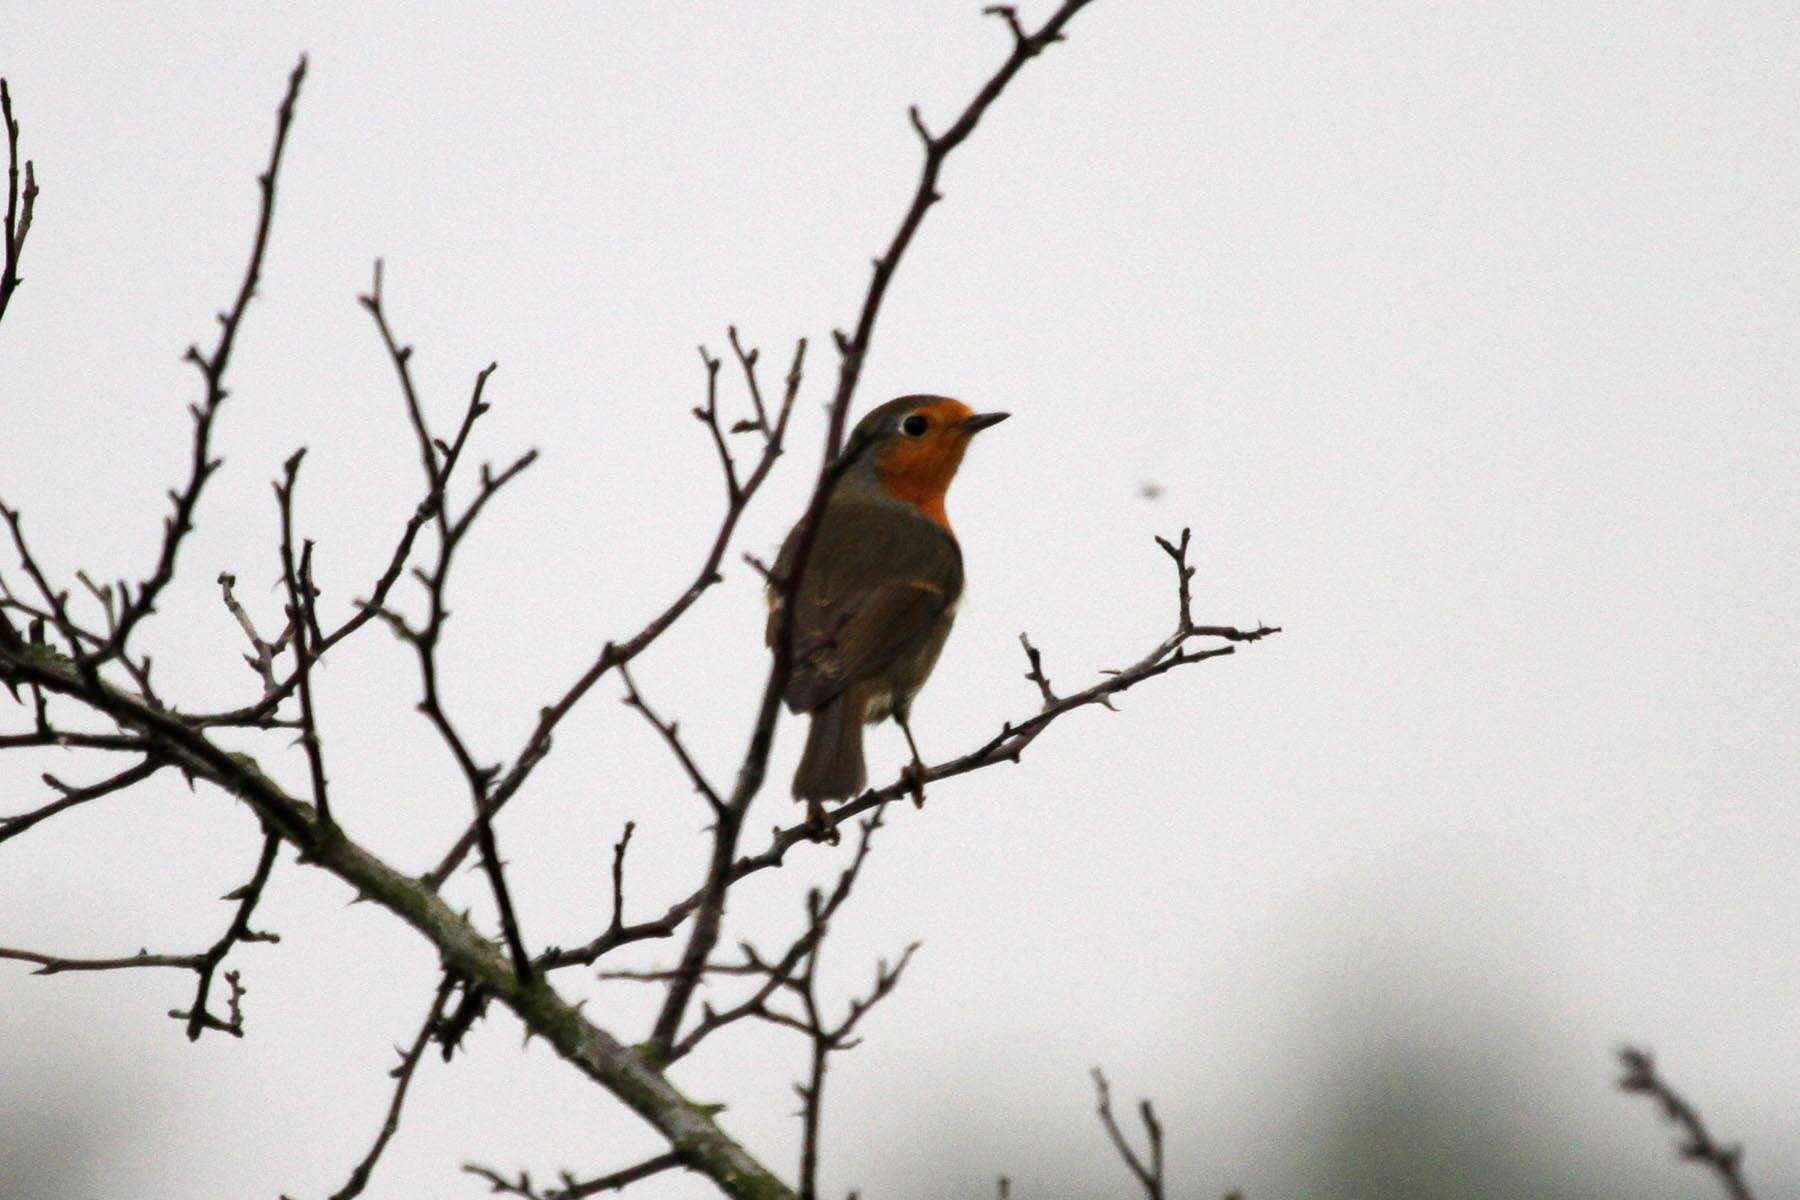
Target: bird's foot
(913, 776)
(819, 826)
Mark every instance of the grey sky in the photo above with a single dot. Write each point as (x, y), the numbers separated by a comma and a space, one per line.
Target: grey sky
(1463, 335)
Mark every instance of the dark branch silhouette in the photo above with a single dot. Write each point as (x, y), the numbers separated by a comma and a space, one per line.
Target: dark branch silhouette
(203, 964)
(19, 204)
(1696, 1145)
(84, 685)
(402, 1074)
(1149, 1174)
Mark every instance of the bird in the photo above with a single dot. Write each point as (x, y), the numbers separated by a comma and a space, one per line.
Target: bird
(878, 591)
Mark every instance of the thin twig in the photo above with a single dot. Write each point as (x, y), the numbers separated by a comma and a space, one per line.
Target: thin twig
(19, 204)
(432, 505)
(852, 350)
(402, 1074)
(264, 653)
(614, 654)
(1036, 673)
(57, 601)
(709, 417)
(1006, 746)
(71, 797)
(1148, 1174)
(1725, 1161)
(572, 1188)
(303, 625)
(196, 1016)
(202, 964)
(134, 608)
(425, 640)
(747, 360)
(671, 734)
(775, 974)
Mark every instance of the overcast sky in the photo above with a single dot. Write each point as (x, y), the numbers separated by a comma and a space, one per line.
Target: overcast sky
(1464, 336)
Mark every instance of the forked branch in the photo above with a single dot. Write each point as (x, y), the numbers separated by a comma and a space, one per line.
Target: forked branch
(1147, 1171)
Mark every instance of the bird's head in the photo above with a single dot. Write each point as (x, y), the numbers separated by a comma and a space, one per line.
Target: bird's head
(911, 448)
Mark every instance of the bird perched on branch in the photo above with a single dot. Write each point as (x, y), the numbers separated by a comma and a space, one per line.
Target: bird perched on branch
(879, 588)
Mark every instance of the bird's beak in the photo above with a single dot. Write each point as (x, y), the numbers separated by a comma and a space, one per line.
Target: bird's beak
(981, 421)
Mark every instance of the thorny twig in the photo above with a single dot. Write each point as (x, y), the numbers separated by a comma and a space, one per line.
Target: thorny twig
(825, 1039)
(853, 350)
(42, 671)
(614, 654)
(631, 1073)
(671, 734)
(264, 654)
(439, 459)
(71, 797)
(1008, 745)
(303, 624)
(202, 964)
(1696, 1145)
(572, 1188)
(134, 608)
(443, 460)
(776, 974)
(1036, 673)
(402, 1074)
(19, 204)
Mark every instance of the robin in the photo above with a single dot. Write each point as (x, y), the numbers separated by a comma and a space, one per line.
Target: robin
(880, 587)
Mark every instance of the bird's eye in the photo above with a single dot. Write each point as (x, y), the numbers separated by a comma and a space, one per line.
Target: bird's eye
(915, 425)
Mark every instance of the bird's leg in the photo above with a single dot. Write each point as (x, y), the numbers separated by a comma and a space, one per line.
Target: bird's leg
(914, 773)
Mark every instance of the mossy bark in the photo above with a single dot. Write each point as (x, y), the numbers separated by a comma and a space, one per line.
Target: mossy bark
(622, 1070)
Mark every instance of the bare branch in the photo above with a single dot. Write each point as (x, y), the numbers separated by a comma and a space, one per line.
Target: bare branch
(71, 797)
(1006, 746)
(303, 624)
(747, 360)
(618, 875)
(1696, 1145)
(1010, 15)
(69, 739)
(425, 639)
(263, 655)
(1149, 1175)
(1036, 674)
(247, 897)
(614, 654)
(19, 204)
(135, 608)
(622, 1070)
(401, 357)
(56, 964)
(57, 601)
(854, 348)
(671, 733)
(402, 1074)
(202, 964)
(258, 715)
(777, 974)
(709, 417)
(471, 961)
(573, 1189)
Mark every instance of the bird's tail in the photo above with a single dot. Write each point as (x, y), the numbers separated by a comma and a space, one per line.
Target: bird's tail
(831, 767)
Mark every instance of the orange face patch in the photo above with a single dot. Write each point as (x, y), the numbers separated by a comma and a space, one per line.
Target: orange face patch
(919, 469)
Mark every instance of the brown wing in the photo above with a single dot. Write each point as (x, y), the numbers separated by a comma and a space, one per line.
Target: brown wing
(878, 579)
